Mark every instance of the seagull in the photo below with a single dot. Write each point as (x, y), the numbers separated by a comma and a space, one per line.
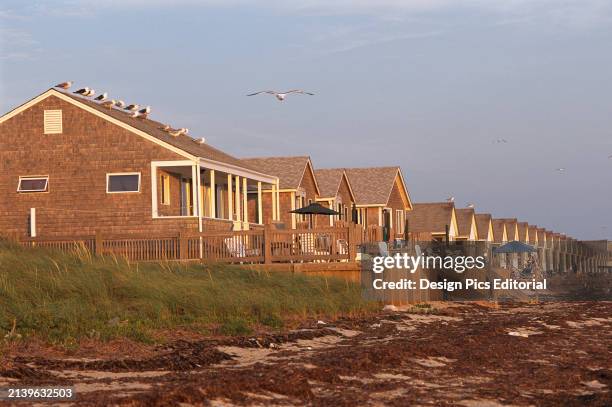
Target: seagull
(146, 110)
(89, 93)
(281, 95)
(201, 140)
(134, 114)
(82, 91)
(501, 140)
(131, 108)
(102, 97)
(165, 127)
(560, 169)
(176, 133)
(120, 104)
(450, 199)
(109, 103)
(471, 206)
(64, 85)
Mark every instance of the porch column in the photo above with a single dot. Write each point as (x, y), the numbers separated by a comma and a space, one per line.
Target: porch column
(259, 204)
(230, 203)
(245, 201)
(293, 223)
(213, 195)
(198, 188)
(195, 205)
(274, 203)
(277, 200)
(238, 211)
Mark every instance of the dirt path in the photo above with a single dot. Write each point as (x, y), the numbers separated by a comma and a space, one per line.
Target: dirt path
(543, 355)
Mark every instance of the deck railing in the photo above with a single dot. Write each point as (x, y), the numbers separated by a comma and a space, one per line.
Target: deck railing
(261, 245)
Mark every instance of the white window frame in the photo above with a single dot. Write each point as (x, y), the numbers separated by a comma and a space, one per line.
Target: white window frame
(33, 177)
(110, 174)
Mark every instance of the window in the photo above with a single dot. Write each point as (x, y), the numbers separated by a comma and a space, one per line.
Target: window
(400, 221)
(33, 184)
(123, 182)
(165, 189)
(53, 121)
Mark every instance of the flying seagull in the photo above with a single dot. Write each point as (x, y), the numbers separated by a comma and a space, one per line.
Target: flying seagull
(281, 95)
(560, 169)
(131, 108)
(450, 199)
(82, 91)
(501, 140)
(120, 104)
(102, 97)
(109, 103)
(64, 85)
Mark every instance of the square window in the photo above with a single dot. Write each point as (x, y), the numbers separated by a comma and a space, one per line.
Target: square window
(122, 182)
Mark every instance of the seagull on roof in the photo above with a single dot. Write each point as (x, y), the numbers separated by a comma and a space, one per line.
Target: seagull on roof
(281, 95)
(146, 110)
(82, 91)
(91, 92)
(102, 97)
(132, 107)
(120, 104)
(134, 114)
(165, 127)
(450, 199)
(471, 206)
(64, 85)
(109, 104)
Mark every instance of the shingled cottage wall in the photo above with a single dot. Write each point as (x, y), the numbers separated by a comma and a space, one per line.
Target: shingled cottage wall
(77, 162)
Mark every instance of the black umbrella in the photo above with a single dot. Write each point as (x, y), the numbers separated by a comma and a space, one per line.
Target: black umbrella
(315, 209)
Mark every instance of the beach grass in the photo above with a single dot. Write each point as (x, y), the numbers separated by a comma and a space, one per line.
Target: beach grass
(64, 297)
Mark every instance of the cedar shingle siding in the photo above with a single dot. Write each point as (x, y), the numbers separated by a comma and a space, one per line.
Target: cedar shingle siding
(77, 161)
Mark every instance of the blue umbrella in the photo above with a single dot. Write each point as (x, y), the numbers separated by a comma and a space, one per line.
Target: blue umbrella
(515, 247)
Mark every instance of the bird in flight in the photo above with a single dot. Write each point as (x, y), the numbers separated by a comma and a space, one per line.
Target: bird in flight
(102, 97)
(64, 85)
(560, 169)
(501, 140)
(281, 95)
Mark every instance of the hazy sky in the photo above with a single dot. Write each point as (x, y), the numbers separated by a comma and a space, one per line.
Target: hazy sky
(425, 84)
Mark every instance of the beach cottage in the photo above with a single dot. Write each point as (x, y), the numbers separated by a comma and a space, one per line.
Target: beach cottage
(70, 166)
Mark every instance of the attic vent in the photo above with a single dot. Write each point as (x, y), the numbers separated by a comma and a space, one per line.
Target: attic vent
(53, 121)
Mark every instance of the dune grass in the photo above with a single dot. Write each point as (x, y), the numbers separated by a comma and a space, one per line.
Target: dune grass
(64, 297)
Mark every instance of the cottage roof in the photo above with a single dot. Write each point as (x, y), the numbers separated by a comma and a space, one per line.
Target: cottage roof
(430, 217)
(329, 180)
(373, 186)
(289, 170)
(483, 221)
(465, 216)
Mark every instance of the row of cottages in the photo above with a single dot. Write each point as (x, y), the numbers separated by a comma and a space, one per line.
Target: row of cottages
(71, 167)
(375, 196)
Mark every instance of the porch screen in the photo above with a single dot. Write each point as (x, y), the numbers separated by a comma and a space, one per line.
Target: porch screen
(123, 183)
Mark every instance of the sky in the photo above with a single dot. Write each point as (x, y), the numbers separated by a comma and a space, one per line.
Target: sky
(429, 85)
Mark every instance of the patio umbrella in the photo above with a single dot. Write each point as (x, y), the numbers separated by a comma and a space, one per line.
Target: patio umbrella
(515, 247)
(315, 209)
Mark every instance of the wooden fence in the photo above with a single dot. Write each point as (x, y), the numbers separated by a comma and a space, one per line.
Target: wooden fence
(266, 245)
